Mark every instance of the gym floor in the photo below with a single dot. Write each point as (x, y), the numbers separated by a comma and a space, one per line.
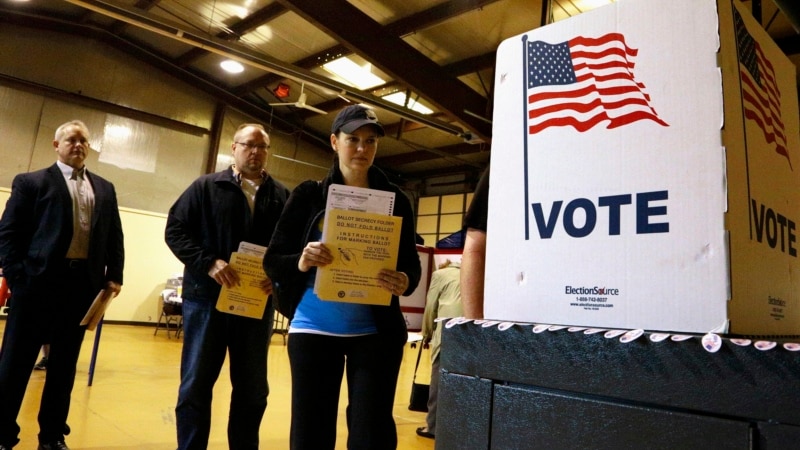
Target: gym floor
(131, 403)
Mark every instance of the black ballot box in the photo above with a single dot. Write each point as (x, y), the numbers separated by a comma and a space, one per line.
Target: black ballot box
(509, 387)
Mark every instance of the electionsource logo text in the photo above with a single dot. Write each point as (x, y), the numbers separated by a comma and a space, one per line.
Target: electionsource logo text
(594, 290)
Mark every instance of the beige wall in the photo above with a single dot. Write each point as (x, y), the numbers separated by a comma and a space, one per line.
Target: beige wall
(148, 264)
(155, 158)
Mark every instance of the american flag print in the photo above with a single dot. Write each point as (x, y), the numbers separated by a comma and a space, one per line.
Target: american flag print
(584, 82)
(760, 94)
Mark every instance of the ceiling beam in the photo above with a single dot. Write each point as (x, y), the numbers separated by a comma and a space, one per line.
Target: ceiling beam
(102, 105)
(261, 61)
(150, 57)
(392, 55)
(255, 107)
(308, 62)
(456, 69)
(434, 15)
(455, 150)
(471, 65)
(791, 9)
(789, 45)
(401, 27)
(471, 171)
(118, 27)
(236, 31)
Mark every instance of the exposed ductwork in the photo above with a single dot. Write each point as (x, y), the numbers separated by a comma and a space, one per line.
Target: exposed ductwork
(245, 55)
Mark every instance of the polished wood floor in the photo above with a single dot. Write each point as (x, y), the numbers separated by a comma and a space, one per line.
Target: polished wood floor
(132, 400)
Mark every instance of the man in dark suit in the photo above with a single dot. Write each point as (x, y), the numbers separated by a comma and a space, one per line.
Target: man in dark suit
(60, 243)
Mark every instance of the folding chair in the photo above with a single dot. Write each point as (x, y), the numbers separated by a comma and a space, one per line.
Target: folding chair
(171, 313)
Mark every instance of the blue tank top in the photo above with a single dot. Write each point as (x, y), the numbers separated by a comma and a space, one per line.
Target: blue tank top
(314, 315)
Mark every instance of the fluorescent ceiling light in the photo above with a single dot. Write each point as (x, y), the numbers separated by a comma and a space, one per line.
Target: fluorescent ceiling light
(399, 98)
(231, 66)
(357, 76)
(240, 11)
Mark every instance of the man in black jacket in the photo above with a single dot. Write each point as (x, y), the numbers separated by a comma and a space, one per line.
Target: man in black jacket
(205, 225)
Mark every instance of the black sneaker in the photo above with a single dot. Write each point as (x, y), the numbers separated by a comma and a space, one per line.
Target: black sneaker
(42, 364)
(423, 432)
(55, 445)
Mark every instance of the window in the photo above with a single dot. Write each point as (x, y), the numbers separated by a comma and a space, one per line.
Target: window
(440, 216)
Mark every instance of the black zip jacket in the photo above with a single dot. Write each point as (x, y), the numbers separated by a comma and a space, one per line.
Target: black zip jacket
(303, 210)
(211, 218)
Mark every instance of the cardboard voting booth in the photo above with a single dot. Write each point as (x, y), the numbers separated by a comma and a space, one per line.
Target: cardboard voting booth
(646, 173)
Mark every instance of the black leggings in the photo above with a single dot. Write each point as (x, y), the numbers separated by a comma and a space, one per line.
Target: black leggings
(318, 363)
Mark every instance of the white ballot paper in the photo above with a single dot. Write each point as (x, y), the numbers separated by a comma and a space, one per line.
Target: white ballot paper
(249, 248)
(364, 236)
(351, 198)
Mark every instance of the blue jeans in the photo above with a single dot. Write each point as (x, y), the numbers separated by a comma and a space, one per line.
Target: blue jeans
(318, 362)
(207, 336)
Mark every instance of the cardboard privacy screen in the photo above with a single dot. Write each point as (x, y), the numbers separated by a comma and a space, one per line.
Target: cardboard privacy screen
(645, 173)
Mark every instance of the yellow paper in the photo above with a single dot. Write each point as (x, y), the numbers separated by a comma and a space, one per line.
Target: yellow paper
(362, 244)
(246, 299)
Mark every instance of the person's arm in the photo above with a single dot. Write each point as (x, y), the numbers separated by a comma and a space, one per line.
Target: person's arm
(473, 268)
(431, 308)
(182, 234)
(408, 258)
(16, 228)
(282, 260)
(115, 248)
(113, 287)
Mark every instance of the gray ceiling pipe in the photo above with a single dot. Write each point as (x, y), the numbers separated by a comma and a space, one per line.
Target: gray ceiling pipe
(791, 9)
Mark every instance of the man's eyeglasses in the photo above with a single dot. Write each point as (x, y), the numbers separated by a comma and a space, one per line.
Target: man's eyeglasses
(250, 146)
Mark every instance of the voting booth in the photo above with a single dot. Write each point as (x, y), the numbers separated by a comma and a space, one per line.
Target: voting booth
(646, 173)
(643, 192)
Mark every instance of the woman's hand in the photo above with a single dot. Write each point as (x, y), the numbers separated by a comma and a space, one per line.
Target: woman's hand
(315, 254)
(393, 281)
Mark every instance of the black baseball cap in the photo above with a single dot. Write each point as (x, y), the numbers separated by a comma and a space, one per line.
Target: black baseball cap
(354, 117)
